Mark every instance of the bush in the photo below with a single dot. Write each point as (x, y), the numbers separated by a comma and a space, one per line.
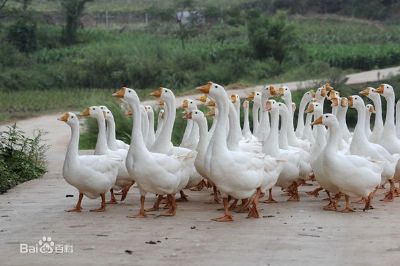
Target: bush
(21, 158)
(22, 34)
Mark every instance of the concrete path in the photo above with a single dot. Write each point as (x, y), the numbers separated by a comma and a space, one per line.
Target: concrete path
(288, 234)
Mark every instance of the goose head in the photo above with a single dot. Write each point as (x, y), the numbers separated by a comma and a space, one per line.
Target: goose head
(282, 108)
(328, 120)
(93, 111)
(255, 96)
(70, 118)
(370, 93)
(213, 90)
(235, 99)
(149, 110)
(385, 90)
(309, 95)
(271, 106)
(370, 108)
(189, 104)
(284, 92)
(107, 113)
(344, 102)
(195, 115)
(202, 99)
(321, 93)
(314, 108)
(163, 94)
(270, 91)
(127, 94)
(355, 102)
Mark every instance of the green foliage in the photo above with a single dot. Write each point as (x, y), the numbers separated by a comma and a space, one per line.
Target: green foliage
(272, 37)
(21, 158)
(22, 34)
(73, 10)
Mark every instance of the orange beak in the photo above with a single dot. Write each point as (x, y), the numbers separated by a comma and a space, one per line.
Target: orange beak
(328, 86)
(185, 104)
(323, 92)
(372, 109)
(156, 93)
(318, 121)
(312, 93)
(380, 89)
(310, 108)
(161, 103)
(205, 88)
(210, 103)
(188, 115)
(211, 113)
(86, 112)
(335, 102)
(364, 92)
(273, 91)
(202, 98)
(129, 113)
(251, 96)
(347, 102)
(246, 104)
(120, 93)
(64, 117)
(233, 98)
(281, 91)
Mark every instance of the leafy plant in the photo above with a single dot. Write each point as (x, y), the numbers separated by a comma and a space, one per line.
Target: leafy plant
(21, 158)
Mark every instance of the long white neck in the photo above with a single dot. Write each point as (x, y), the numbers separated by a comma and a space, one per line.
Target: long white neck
(398, 118)
(111, 139)
(367, 122)
(256, 108)
(271, 144)
(213, 126)
(203, 137)
(101, 144)
(220, 134)
(72, 155)
(333, 139)
(341, 116)
(145, 124)
(246, 126)
(300, 118)
(359, 131)
(389, 121)
(235, 134)
(237, 109)
(265, 126)
(160, 123)
(151, 138)
(307, 132)
(283, 134)
(186, 133)
(378, 122)
(137, 147)
(290, 128)
(194, 134)
(163, 142)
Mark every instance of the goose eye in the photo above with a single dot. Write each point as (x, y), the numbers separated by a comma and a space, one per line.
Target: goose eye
(129, 91)
(93, 109)
(326, 116)
(72, 116)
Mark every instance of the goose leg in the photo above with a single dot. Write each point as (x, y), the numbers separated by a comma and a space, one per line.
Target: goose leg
(391, 194)
(142, 212)
(332, 206)
(315, 192)
(156, 205)
(270, 199)
(172, 206)
(347, 208)
(103, 204)
(183, 197)
(78, 207)
(294, 192)
(125, 191)
(253, 212)
(369, 200)
(113, 200)
(199, 186)
(227, 217)
(216, 198)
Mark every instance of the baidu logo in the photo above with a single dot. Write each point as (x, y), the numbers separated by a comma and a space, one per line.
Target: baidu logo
(45, 246)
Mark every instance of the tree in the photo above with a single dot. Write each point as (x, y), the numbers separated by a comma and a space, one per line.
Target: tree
(272, 36)
(73, 10)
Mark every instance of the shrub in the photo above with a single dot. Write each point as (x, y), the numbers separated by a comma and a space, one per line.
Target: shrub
(22, 34)
(21, 158)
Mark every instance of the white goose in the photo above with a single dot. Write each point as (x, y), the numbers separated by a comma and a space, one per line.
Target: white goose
(238, 174)
(154, 172)
(351, 174)
(112, 142)
(398, 118)
(378, 124)
(246, 125)
(361, 146)
(369, 111)
(124, 179)
(150, 117)
(255, 96)
(307, 97)
(163, 143)
(91, 175)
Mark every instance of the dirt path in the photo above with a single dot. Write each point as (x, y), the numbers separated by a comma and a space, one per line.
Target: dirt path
(289, 234)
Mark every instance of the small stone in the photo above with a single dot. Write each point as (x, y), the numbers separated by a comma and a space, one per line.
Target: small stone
(193, 227)
(69, 196)
(127, 251)
(151, 242)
